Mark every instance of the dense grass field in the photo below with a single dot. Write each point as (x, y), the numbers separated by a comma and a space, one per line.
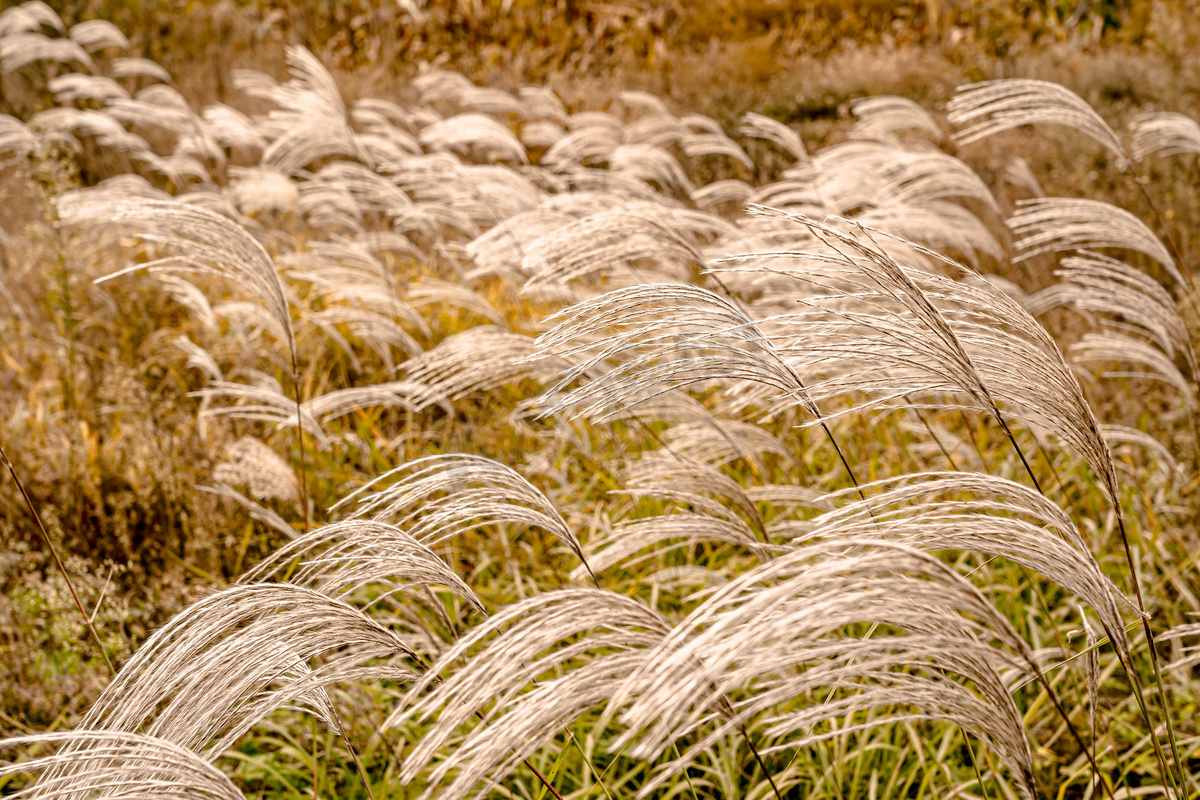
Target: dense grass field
(451, 399)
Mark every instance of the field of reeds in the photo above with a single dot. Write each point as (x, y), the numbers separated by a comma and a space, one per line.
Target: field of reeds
(450, 399)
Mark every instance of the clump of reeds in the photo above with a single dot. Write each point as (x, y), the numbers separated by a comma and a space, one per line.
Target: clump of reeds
(742, 581)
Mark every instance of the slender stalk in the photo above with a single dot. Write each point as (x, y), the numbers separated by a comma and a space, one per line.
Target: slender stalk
(1062, 712)
(316, 794)
(87, 620)
(828, 433)
(1162, 224)
(300, 441)
(1168, 776)
(1062, 645)
(759, 759)
(341, 729)
(1028, 469)
(932, 435)
(1150, 643)
(479, 715)
(975, 765)
(687, 777)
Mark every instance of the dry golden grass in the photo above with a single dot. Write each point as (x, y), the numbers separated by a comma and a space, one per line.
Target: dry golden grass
(403, 289)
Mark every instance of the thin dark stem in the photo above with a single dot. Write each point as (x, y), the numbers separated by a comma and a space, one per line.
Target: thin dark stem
(479, 715)
(1062, 712)
(341, 729)
(758, 758)
(802, 388)
(1162, 224)
(1062, 645)
(534, 770)
(1187, 273)
(932, 435)
(842, 457)
(1150, 643)
(300, 441)
(1008, 432)
(87, 620)
(1167, 775)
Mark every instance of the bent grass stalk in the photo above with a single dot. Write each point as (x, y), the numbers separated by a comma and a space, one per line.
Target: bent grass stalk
(87, 620)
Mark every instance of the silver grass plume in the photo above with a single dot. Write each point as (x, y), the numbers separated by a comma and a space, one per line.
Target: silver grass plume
(340, 402)
(379, 331)
(895, 332)
(428, 291)
(718, 509)
(75, 86)
(203, 241)
(499, 251)
(500, 669)
(991, 107)
(84, 122)
(29, 16)
(787, 612)
(232, 128)
(465, 132)
(259, 468)
(721, 441)
(438, 497)
(1169, 470)
(1002, 518)
(583, 146)
(758, 126)
(937, 224)
(16, 140)
(649, 163)
(541, 133)
(478, 359)
(542, 103)
(726, 191)
(1190, 653)
(1109, 346)
(310, 122)
(881, 116)
(136, 67)
(1054, 224)
(247, 319)
(608, 244)
(875, 676)
(445, 86)
(635, 542)
(266, 403)
(1091, 667)
(1164, 134)
(661, 336)
(1018, 172)
(696, 485)
(256, 510)
(191, 297)
(705, 143)
(22, 49)
(1094, 283)
(222, 664)
(646, 101)
(97, 34)
(117, 764)
(341, 557)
